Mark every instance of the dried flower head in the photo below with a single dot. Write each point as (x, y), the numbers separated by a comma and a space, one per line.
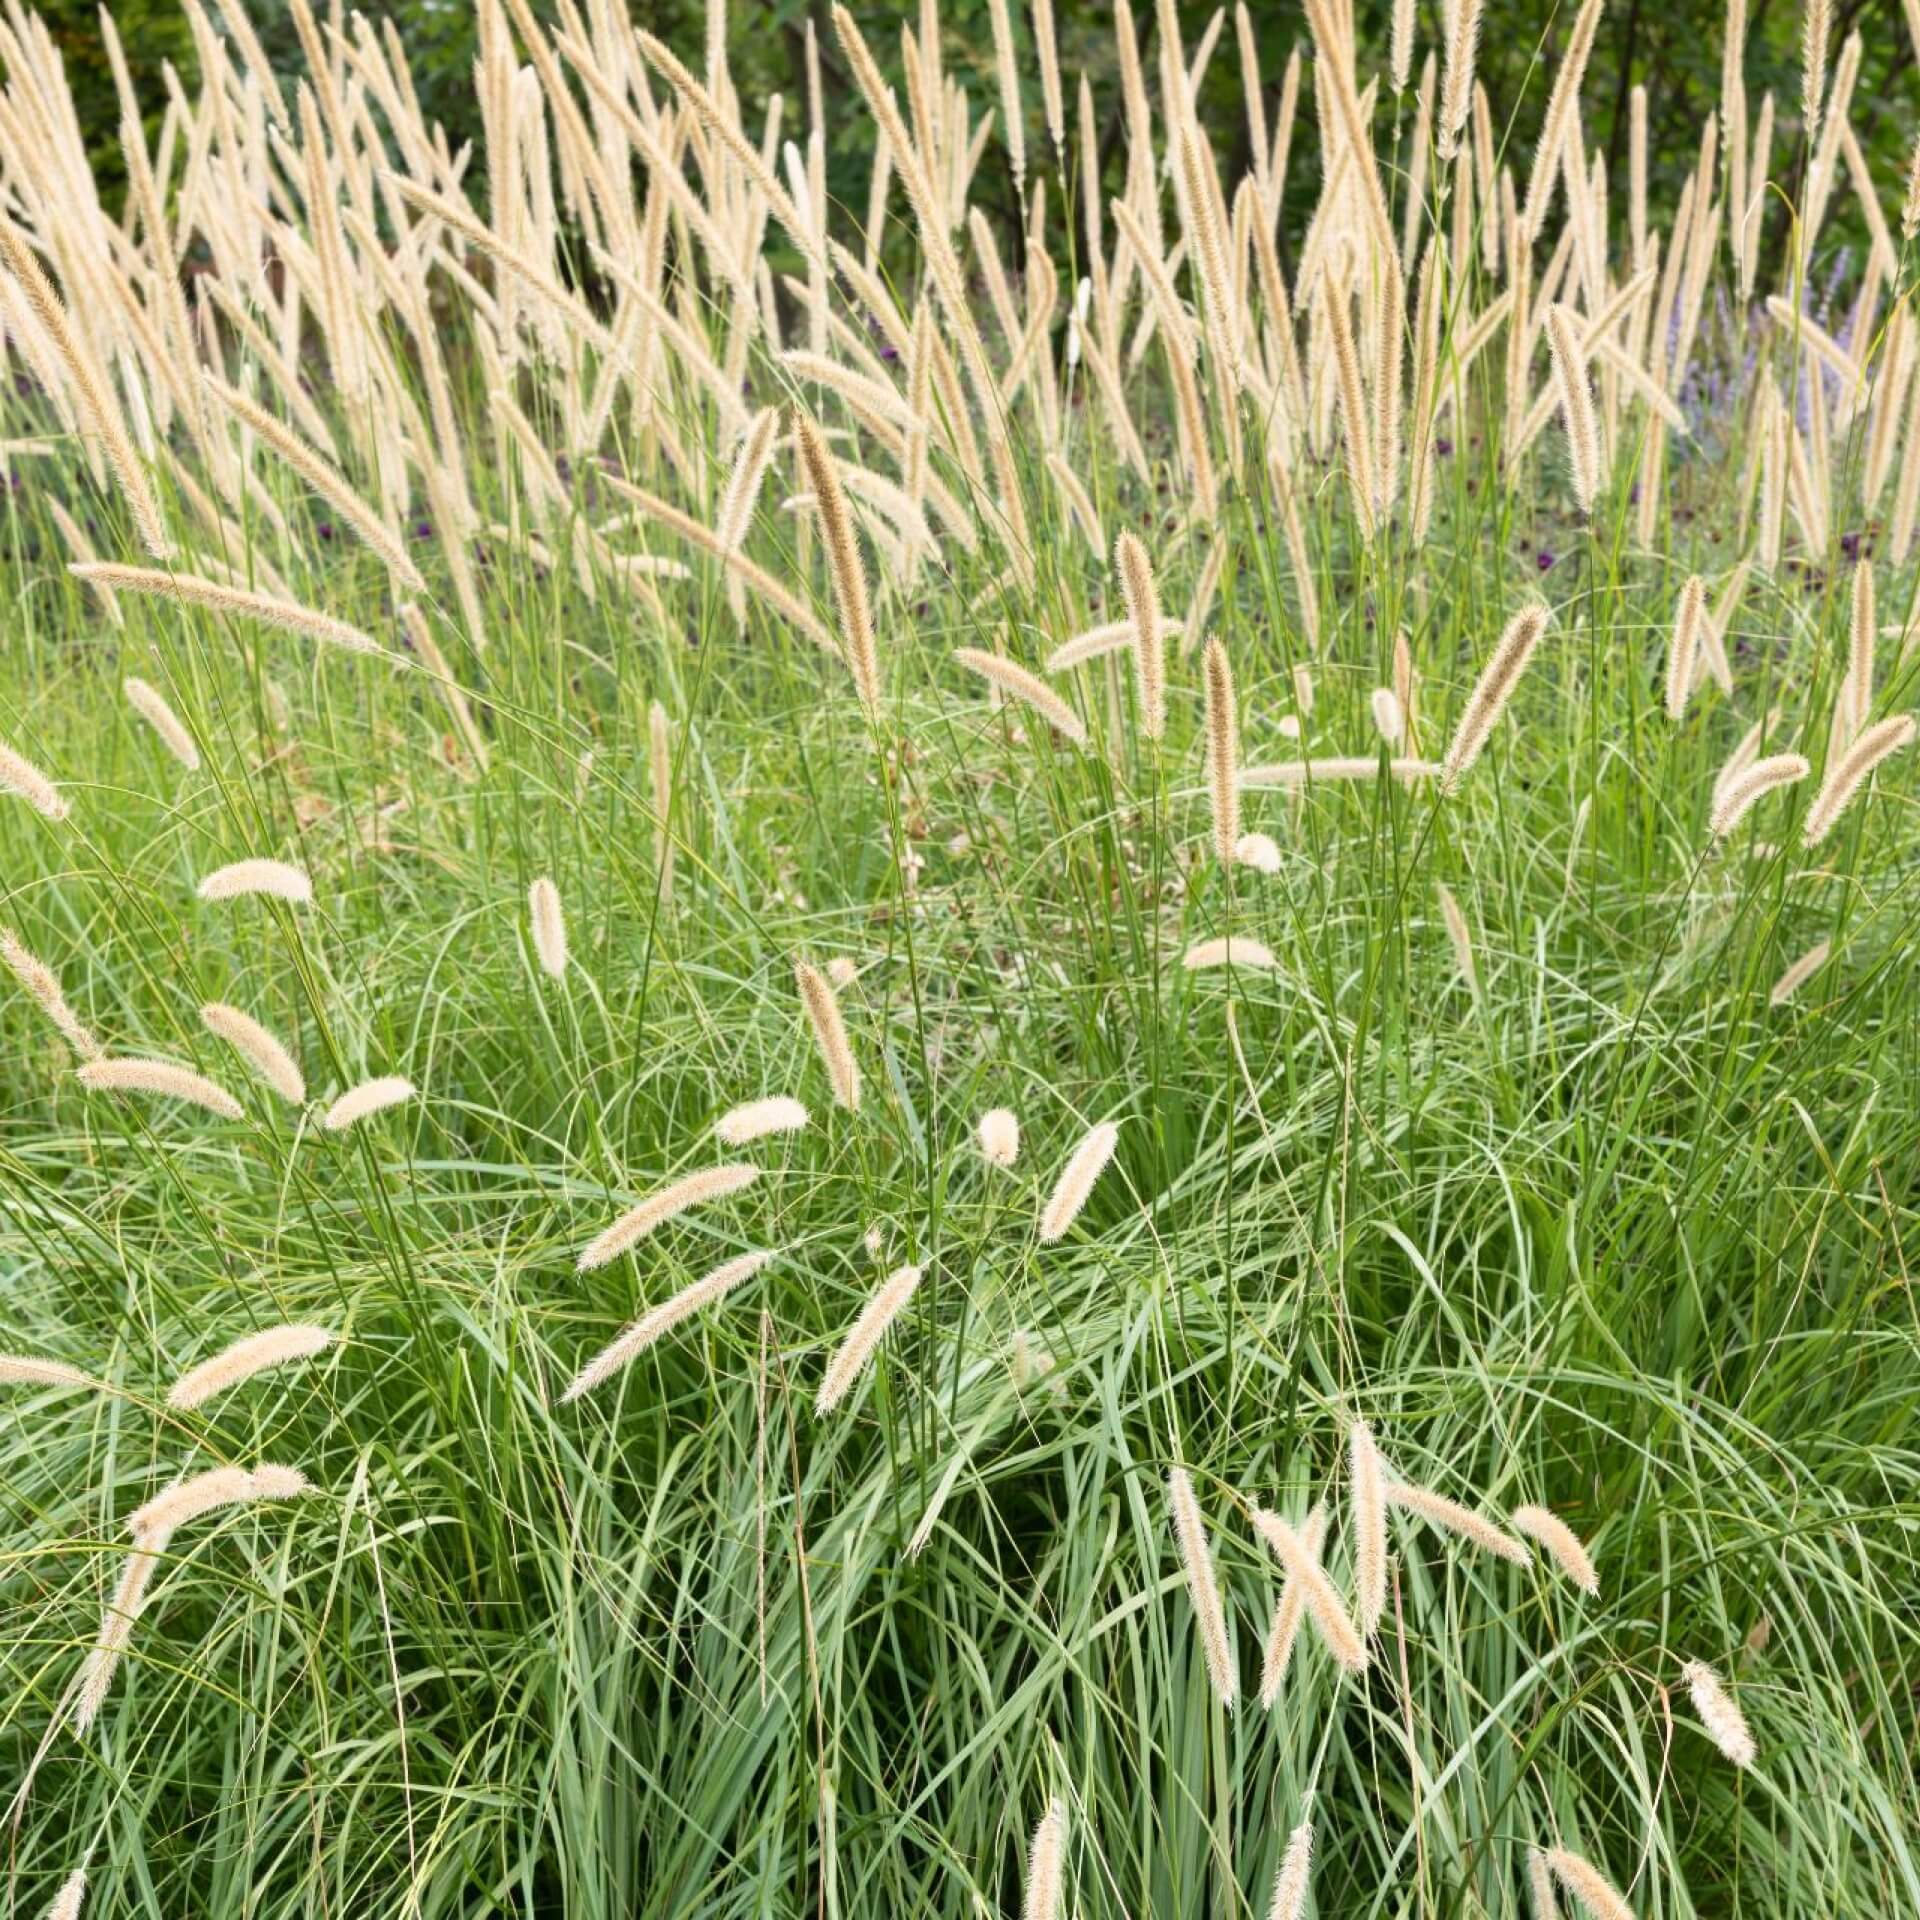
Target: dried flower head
(1596, 1895)
(863, 1337)
(160, 1077)
(1216, 1641)
(1331, 1620)
(272, 1347)
(755, 1119)
(1142, 600)
(1230, 951)
(999, 1137)
(549, 927)
(1076, 1180)
(368, 1098)
(1045, 1863)
(1563, 1545)
(261, 1051)
(19, 775)
(1296, 1867)
(1289, 1610)
(662, 1319)
(150, 704)
(662, 1205)
(1366, 1485)
(274, 878)
(39, 980)
(1492, 691)
(1726, 1725)
(830, 1035)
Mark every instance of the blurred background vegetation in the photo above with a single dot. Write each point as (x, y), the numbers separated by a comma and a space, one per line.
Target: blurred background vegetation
(1673, 47)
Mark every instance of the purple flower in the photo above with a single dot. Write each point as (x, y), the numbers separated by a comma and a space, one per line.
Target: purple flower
(1543, 560)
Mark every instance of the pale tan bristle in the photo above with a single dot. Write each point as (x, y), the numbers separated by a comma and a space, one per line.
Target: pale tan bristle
(255, 1353)
(162, 1078)
(273, 878)
(1726, 1725)
(1596, 1895)
(1331, 1620)
(1452, 1517)
(1026, 687)
(261, 1051)
(661, 1320)
(1366, 1486)
(1223, 753)
(368, 1098)
(41, 982)
(193, 591)
(1216, 1642)
(777, 1113)
(866, 1333)
(830, 1035)
(1046, 1864)
(1492, 691)
(549, 922)
(1849, 773)
(666, 1203)
(1143, 612)
(999, 1134)
(19, 775)
(1741, 789)
(1086, 1164)
(151, 705)
(1563, 1545)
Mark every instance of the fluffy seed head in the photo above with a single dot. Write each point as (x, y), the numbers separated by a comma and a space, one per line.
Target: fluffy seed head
(116, 1629)
(691, 1190)
(1232, 951)
(1142, 599)
(662, 1319)
(1492, 691)
(830, 1035)
(1259, 851)
(863, 1337)
(999, 1137)
(1563, 1545)
(1223, 753)
(1296, 1867)
(161, 1077)
(189, 590)
(1737, 793)
(19, 775)
(1799, 973)
(1076, 1181)
(274, 878)
(1366, 1485)
(757, 1118)
(1449, 1515)
(1216, 1641)
(1726, 1725)
(1044, 1864)
(369, 1097)
(66, 1903)
(261, 1051)
(1849, 773)
(1289, 1610)
(155, 1523)
(1460, 938)
(1596, 1895)
(843, 559)
(1389, 720)
(549, 927)
(38, 979)
(1024, 686)
(1331, 1620)
(24, 1370)
(150, 704)
(1576, 404)
(272, 1347)
(1688, 620)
